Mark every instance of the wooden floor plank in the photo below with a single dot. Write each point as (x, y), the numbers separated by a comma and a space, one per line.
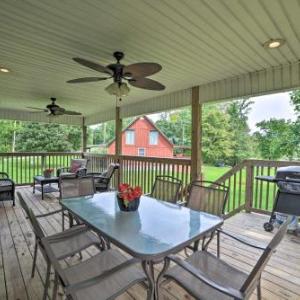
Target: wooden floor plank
(280, 280)
(15, 286)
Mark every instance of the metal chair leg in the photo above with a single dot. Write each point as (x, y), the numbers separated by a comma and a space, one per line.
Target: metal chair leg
(34, 258)
(55, 287)
(63, 221)
(259, 290)
(218, 244)
(47, 282)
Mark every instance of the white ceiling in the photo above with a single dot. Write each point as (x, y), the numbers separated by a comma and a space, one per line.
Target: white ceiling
(196, 42)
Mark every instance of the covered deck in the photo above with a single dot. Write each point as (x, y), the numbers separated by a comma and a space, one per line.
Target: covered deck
(280, 280)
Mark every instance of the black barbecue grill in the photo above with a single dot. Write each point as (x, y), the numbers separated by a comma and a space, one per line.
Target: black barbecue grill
(287, 199)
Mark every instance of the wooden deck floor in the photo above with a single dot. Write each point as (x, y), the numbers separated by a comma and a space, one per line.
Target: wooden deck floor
(281, 279)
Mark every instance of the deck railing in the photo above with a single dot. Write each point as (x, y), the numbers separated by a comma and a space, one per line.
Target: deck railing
(248, 193)
(21, 167)
(138, 170)
(245, 191)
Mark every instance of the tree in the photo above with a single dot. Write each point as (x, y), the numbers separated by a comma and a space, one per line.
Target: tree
(238, 118)
(277, 138)
(48, 137)
(7, 135)
(217, 138)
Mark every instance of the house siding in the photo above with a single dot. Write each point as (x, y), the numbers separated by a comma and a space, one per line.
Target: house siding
(142, 128)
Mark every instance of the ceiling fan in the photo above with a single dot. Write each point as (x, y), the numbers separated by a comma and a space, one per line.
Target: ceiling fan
(54, 110)
(135, 74)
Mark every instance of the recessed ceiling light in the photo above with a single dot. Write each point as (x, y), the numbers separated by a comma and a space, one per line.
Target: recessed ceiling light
(274, 43)
(4, 70)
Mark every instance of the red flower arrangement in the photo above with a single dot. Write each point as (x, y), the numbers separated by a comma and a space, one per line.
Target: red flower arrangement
(128, 193)
(48, 170)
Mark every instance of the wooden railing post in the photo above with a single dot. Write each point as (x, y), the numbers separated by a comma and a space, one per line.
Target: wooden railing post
(43, 158)
(249, 186)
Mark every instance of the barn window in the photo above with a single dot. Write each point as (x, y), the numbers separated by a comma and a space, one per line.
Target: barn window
(153, 137)
(141, 152)
(129, 136)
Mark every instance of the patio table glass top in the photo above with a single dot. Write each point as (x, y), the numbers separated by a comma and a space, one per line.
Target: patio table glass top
(156, 229)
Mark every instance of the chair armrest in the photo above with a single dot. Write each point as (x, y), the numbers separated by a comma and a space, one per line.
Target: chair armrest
(5, 175)
(61, 236)
(81, 172)
(147, 194)
(8, 179)
(227, 290)
(62, 169)
(50, 213)
(92, 281)
(241, 240)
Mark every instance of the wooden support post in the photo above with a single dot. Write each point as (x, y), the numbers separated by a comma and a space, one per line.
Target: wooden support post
(196, 155)
(84, 136)
(118, 149)
(249, 187)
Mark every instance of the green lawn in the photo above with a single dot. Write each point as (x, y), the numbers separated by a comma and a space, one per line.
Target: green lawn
(212, 173)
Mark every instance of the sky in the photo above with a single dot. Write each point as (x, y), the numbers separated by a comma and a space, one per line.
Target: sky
(264, 108)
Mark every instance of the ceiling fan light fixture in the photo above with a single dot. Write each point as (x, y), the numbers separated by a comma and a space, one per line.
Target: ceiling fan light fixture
(119, 90)
(273, 43)
(4, 70)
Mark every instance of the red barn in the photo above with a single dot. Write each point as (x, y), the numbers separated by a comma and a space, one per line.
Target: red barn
(143, 138)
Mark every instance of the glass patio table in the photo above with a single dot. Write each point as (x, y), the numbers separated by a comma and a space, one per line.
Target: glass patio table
(154, 231)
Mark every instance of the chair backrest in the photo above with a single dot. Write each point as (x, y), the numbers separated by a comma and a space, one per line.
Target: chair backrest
(71, 187)
(37, 229)
(251, 282)
(207, 196)
(110, 170)
(78, 163)
(166, 188)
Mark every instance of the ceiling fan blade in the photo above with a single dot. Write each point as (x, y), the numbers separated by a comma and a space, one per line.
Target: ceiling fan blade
(72, 113)
(147, 84)
(37, 108)
(87, 79)
(142, 69)
(93, 65)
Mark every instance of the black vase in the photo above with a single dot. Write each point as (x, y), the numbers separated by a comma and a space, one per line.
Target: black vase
(132, 205)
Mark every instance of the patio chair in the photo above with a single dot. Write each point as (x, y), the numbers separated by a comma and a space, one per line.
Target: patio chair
(71, 187)
(103, 276)
(78, 168)
(102, 180)
(64, 244)
(7, 188)
(166, 188)
(209, 197)
(206, 276)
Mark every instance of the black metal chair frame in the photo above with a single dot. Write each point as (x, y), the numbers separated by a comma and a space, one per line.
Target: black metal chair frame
(100, 178)
(8, 195)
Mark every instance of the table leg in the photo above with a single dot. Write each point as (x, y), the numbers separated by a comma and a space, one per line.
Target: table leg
(149, 271)
(160, 276)
(33, 191)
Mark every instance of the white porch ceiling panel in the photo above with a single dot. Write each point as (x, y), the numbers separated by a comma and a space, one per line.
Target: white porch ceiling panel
(198, 42)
